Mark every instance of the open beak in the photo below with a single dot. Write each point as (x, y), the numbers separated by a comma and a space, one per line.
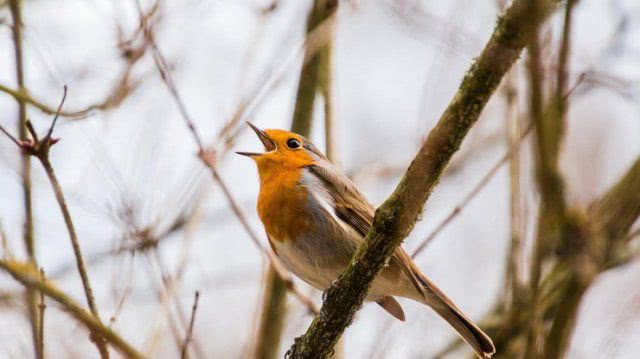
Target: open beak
(269, 144)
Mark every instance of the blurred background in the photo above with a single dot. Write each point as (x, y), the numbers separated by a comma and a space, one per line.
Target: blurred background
(154, 227)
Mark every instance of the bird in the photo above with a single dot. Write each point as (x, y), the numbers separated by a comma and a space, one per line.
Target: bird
(315, 218)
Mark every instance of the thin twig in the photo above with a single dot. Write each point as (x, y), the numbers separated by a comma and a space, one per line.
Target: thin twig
(167, 79)
(41, 307)
(47, 137)
(170, 284)
(187, 338)
(469, 196)
(10, 136)
(86, 284)
(27, 194)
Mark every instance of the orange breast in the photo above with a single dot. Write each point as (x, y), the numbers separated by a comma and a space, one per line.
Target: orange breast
(281, 204)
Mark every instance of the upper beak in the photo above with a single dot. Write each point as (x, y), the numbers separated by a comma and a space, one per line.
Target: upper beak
(269, 144)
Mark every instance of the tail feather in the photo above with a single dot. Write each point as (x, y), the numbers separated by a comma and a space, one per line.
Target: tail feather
(474, 336)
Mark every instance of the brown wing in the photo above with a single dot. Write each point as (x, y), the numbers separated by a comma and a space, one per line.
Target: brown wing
(350, 205)
(354, 209)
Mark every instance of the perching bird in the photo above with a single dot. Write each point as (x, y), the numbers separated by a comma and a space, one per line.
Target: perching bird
(315, 218)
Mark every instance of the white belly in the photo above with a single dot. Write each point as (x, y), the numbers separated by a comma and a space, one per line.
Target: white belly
(309, 261)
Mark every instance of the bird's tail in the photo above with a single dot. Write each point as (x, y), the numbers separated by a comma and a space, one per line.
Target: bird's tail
(474, 336)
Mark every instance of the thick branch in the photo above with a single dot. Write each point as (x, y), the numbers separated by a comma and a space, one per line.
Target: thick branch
(396, 217)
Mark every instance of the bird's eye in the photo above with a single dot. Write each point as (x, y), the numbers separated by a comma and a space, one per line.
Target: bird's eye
(293, 143)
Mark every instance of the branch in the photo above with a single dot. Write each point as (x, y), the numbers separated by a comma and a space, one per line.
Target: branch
(27, 193)
(310, 76)
(41, 307)
(187, 339)
(30, 278)
(555, 225)
(617, 211)
(396, 217)
(273, 311)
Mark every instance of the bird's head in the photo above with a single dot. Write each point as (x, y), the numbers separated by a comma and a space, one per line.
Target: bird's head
(282, 150)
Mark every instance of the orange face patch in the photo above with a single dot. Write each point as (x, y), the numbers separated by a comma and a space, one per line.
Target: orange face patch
(289, 154)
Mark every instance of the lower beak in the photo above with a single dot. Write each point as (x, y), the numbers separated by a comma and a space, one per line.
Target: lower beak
(269, 144)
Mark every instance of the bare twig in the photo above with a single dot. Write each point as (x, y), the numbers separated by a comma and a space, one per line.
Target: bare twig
(171, 284)
(10, 136)
(469, 196)
(41, 307)
(187, 338)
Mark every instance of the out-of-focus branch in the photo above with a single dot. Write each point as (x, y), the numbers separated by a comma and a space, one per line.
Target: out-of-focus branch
(396, 217)
(15, 7)
(29, 277)
(121, 89)
(513, 269)
(273, 312)
(41, 307)
(555, 225)
(314, 76)
(325, 86)
(310, 76)
(619, 209)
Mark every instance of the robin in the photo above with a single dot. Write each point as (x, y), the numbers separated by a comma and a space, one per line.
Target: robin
(315, 219)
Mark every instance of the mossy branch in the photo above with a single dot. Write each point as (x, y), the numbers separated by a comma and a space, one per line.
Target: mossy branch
(395, 219)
